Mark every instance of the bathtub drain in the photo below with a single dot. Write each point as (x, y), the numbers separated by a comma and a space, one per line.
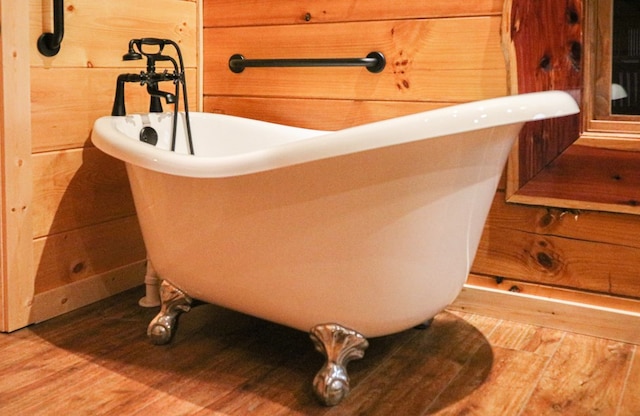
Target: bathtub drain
(149, 135)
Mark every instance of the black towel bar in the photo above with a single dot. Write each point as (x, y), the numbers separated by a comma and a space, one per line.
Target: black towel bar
(374, 62)
(49, 43)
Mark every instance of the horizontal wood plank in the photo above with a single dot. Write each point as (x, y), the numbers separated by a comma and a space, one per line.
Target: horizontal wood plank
(445, 60)
(603, 227)
(314, 114)
(69, 297)
(63, 116)
(587, 265)
(281, 12)
(76, 188)
(599, 178)
(576, 317)
(71, 256)
(571, 295)
(97, 33)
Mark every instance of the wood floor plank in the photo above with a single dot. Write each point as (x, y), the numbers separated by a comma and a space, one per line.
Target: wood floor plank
(630, 404)
(409, 380)
(503, 379)
(98, 361)
(522, 337)
(485, 324)
(585, 376)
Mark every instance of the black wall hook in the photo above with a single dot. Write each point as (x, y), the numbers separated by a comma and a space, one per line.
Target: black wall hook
(49, 43)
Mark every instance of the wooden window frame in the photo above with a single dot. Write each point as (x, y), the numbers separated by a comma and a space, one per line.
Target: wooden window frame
(600, 169)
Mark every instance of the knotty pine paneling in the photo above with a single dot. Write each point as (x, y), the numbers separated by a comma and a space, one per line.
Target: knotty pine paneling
(427, 60)
(84, 223)
(449, 59)
(597, 252)
(328, 115)
(588, 265)
(282, 12)
(97, 33)
(603, 227)
(77, 188)
(15, 167)
(66, 123)
(597, 176)
(67, 257)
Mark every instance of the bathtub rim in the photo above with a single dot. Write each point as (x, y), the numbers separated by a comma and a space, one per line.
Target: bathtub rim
(445, 121)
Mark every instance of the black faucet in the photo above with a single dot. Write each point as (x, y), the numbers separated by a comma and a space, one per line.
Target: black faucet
(151, 78)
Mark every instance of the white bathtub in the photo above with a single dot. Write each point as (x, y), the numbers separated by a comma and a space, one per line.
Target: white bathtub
(371, 229)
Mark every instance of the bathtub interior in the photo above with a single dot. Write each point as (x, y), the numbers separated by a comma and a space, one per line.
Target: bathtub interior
(239, 135)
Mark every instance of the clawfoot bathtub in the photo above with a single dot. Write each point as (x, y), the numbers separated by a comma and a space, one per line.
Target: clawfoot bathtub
(350, 235)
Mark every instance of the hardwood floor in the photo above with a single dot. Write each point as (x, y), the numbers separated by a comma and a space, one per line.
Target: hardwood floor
(98, 361)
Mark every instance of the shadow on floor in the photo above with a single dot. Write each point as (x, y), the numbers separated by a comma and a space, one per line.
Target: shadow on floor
(231, 363)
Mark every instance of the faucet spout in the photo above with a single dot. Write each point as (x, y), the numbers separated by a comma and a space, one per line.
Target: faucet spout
(151, 78)
(152, 89)
(118, 102)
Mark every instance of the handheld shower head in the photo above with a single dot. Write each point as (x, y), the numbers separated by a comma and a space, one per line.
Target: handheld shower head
(132, 55)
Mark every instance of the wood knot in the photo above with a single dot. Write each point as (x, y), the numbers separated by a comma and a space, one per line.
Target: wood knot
(78, 267)
(545, 63)
(573, 17)
(575, 55)
(545, 258)
(546, 220)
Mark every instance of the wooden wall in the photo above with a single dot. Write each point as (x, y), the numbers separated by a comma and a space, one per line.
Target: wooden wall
(69, 233)
(85, 239)
(439, 52)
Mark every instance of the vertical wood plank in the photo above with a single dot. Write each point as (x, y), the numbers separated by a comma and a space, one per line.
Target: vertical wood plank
(544, 40)
(15, 226)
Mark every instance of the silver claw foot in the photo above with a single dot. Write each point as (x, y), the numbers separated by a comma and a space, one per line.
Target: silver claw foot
(339, 345)
(174, 302)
